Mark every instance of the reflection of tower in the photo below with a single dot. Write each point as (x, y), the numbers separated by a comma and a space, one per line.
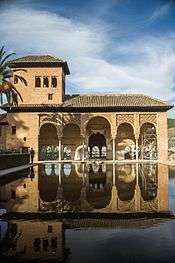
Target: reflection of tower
(21, 195)
(35, 240)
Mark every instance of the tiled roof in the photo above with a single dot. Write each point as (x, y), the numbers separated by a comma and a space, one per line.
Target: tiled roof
(97, 103)
(114, 100)
(36, 58)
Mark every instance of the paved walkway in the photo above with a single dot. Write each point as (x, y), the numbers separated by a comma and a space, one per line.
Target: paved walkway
(15, 169)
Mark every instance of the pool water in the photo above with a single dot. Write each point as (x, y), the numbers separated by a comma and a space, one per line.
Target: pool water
(96, 189)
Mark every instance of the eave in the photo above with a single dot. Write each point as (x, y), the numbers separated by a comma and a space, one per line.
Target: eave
(52, 108)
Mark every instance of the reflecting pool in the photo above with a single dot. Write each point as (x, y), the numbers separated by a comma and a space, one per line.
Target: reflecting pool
(105, 188)
(93, 189)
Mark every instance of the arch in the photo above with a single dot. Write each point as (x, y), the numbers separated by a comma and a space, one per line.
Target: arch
(48, 142)
(125, 141)
(96, 116)
(98, 130)
(71, 140)
(148, 141)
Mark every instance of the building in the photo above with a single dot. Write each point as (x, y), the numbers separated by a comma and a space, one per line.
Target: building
(81, 127)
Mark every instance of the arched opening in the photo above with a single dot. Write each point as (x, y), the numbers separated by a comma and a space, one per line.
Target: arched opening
(97, 142)
(48, 142)
(125, 142)
(148, 142)
(71, 139)
(99, 133)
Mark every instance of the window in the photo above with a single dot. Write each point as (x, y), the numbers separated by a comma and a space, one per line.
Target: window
(53, 82)
(45, 82)
(37, 82)
(13, 130)
(50, 96)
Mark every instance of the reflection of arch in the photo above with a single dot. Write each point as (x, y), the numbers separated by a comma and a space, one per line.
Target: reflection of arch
(148, 181)
(67, 169)
(125, 141)
(99, 191)
(148, 141)
(98, 130)
(72, 186)
(71, 139)
(126, 182)
(48, 187)
(48, 142)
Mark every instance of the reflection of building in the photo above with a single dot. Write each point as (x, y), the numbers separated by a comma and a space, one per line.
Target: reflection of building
(118, 126)
(21, 195)
(96, 188)
(39, 241)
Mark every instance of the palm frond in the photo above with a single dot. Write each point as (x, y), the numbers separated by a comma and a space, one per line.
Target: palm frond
(2, 52)
(23, 80)
(17, 93)
(19, 69)
(6, 57)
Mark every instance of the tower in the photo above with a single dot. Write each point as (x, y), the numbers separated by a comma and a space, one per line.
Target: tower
(44, 77)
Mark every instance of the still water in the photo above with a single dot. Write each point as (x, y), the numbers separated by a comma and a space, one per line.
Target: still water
(91, 188)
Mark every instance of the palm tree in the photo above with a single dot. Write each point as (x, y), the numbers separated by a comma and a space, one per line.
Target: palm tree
(7, 89)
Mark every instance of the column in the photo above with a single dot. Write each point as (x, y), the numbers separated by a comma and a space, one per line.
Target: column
(113, 149)
(137, 149)
(59, 145)
(83, 150)
(113, 174)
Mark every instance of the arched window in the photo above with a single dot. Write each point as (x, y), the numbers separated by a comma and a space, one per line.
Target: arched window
(45, 82)
(37, 82)
(53, 82)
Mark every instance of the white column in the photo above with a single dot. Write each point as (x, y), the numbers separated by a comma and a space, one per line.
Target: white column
(137, 149)
(83, 152)
(113, 174)
(113, 149)
(59, 149)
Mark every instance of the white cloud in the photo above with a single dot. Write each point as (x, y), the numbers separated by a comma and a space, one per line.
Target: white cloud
(148, 65)
(160, 11)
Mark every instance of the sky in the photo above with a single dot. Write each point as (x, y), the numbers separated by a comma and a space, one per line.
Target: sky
(111, 46)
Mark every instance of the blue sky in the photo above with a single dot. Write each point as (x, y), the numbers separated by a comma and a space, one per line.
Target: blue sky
(111, 46)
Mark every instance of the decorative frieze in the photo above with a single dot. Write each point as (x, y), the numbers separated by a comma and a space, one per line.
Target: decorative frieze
(125, 118)
(151, 118)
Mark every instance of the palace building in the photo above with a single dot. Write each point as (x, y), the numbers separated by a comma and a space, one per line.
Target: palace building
(81, 127)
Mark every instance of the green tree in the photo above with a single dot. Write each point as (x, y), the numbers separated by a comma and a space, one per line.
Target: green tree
(7, 88)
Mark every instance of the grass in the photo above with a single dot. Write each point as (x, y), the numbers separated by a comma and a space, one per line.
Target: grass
(171, 123)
